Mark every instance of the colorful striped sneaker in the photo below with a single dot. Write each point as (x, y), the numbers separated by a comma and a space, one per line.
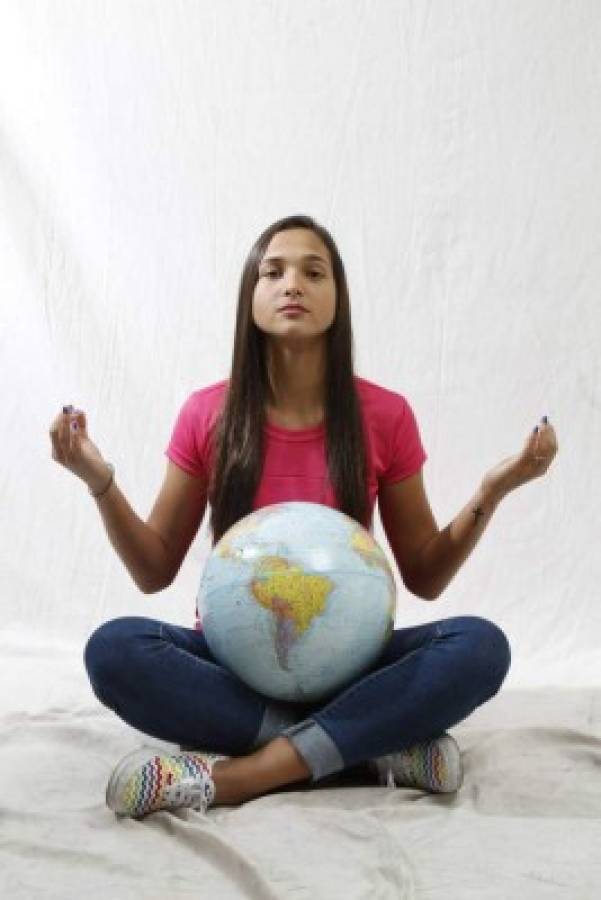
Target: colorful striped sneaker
(433, 766)
(147, 780)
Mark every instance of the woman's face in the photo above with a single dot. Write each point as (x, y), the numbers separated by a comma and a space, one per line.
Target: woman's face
(301, 273)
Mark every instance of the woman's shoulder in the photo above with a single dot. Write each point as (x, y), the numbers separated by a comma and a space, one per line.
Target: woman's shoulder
(396, 442)
(377, 397)
(201, 407)
(207, 399)
(211, 391)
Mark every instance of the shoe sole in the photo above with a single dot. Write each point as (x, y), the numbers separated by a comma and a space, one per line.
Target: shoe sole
(452, 758)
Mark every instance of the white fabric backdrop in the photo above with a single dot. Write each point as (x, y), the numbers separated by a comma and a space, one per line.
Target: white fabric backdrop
(453, 150)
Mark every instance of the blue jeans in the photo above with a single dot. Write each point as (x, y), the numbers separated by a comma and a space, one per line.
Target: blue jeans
(164, 681)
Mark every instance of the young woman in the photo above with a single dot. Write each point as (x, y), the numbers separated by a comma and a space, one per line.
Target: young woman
(293, 422)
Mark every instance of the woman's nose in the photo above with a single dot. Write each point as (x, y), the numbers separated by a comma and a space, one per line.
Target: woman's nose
(292, 282)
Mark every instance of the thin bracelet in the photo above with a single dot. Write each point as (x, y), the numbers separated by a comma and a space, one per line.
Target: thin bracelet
(104, 490)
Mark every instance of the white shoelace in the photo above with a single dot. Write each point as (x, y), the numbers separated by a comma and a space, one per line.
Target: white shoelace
(189, 792)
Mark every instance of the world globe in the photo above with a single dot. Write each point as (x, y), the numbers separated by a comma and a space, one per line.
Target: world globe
(297, 600)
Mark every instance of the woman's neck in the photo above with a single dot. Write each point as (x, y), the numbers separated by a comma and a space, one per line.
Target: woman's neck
(297, 381)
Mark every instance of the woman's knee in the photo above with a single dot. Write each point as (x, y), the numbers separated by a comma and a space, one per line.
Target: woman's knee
(490, 651)
(107, 651)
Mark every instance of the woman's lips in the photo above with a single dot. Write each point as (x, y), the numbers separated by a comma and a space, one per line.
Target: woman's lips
(293, 310)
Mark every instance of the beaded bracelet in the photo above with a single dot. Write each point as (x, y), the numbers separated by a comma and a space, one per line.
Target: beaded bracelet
(104, 490)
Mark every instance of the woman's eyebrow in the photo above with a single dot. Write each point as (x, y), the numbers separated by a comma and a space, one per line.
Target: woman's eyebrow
(310, 256)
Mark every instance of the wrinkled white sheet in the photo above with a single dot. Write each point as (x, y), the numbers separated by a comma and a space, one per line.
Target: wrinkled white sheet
(526, 822)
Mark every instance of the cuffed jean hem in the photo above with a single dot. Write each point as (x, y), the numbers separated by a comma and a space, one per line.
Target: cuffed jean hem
(316, 747)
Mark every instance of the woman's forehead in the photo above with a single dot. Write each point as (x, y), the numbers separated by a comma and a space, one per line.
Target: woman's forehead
(296, 245)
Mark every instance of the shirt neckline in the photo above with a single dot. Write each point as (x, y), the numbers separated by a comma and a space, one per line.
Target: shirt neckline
(294, 434)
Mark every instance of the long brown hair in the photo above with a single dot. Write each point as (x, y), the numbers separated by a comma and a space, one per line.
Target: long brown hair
(239, 429)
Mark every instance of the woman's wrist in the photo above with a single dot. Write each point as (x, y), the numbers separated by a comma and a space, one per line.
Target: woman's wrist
(100, 486)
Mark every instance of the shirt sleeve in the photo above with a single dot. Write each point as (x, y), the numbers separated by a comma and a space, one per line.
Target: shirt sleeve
(187, 442)
(407, 454)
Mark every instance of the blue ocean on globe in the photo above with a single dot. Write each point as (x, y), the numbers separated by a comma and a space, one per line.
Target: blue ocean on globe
(297, 600)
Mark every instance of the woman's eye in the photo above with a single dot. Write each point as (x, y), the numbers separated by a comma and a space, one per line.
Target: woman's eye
(275, 272)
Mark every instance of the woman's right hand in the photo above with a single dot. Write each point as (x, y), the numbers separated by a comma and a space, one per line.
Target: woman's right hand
(73, 449)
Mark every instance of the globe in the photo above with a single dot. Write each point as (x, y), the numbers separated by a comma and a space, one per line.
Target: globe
(297, 600)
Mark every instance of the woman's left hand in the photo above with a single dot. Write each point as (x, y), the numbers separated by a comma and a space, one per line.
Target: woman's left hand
(534, 460)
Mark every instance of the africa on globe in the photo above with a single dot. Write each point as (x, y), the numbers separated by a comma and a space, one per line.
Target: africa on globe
(297, 600)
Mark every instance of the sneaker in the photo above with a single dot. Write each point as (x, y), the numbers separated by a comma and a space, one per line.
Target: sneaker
(431, 766)
(147, 780)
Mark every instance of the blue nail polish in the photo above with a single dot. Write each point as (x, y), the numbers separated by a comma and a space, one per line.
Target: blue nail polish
(545, 420)
(535, 429)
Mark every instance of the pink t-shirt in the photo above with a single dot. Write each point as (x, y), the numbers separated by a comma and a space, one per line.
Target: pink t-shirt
(295, 465)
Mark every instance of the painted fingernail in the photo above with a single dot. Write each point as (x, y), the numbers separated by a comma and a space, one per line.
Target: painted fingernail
(535, 429)
(67, 409)
(545, 420)
(74, 425)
